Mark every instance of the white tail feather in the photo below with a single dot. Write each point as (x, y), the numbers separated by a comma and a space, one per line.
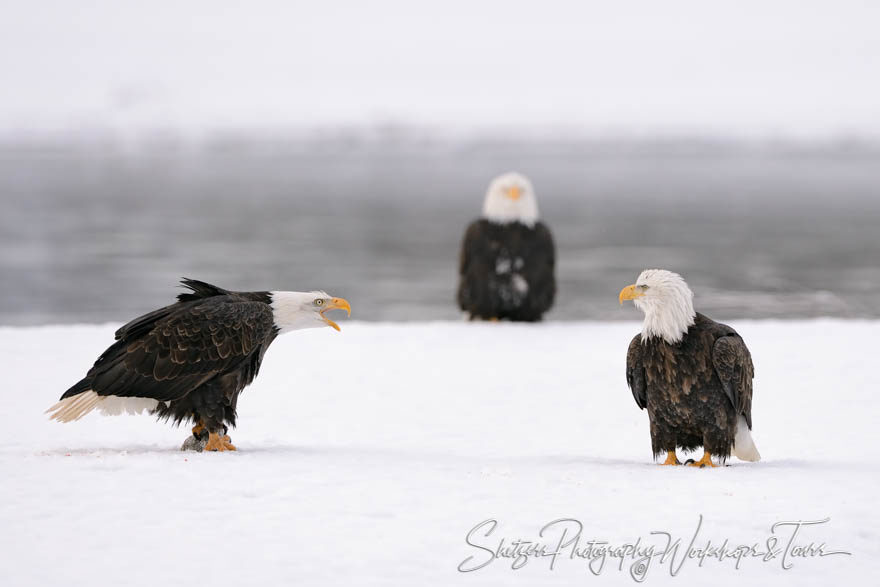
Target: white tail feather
(75, 407)
(112, 405)
(743, 446)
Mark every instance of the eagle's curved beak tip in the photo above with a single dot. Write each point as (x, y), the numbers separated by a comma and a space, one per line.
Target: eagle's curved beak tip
(335, 304)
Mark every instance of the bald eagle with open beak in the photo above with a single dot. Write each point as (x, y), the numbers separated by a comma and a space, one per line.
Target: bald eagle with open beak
(507, 261)
(191, 360)
(694, 375)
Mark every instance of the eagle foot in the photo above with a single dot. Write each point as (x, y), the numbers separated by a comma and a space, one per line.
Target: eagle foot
(219, 443)
(198, 442)
(706, 461)
(671, 459)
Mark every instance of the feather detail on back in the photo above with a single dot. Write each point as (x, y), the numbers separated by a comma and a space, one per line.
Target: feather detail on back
(200, 290)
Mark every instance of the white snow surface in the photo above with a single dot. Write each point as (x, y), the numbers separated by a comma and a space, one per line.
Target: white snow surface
(366, 456)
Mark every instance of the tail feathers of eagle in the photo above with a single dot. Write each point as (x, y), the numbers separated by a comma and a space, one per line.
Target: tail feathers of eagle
(74, 407)
(743, 446)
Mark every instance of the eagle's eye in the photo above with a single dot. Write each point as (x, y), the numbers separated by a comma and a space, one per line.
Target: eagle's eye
(643, 287)
(319, 302)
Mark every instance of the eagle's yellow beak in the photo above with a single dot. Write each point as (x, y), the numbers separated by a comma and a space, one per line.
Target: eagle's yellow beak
(629, 293)
(335, 304)
(514, 193)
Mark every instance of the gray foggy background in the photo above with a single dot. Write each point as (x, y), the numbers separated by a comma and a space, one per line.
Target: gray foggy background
(92, 234)
(346, 145)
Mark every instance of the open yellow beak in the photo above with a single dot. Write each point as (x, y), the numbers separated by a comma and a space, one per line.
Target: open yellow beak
(335, 304)
(513, 193)
(629, 293)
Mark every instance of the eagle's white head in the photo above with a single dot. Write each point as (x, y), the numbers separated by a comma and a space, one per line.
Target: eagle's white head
(666, 300)
(511, 198)
(295, 310)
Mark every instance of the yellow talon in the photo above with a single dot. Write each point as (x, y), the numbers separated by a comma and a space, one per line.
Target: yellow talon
(706, 461)
(218, 443)
(671, 459)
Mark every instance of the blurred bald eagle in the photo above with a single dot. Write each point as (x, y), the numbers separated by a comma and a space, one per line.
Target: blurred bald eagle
(192, 359)
(694, 375)
(507, 260)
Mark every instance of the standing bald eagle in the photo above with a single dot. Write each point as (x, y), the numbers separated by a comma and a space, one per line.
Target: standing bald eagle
(191, 360)
(694, 375)
(506, 266)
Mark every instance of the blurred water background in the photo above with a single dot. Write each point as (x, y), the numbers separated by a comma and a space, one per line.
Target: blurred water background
(345, 146)
(93, 232)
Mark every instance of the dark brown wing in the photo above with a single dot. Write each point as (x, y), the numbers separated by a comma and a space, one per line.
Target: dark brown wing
(199, 290)
(472, 246)
(733, 364)
(185, 349)
(635, 372)
(540, 269)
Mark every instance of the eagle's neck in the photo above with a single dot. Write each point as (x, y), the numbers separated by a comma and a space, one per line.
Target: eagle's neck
(660, 327)
(668, 319)
(291, 310)
(500, 209)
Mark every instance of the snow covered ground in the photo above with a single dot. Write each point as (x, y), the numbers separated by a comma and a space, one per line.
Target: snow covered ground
(366, 457)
